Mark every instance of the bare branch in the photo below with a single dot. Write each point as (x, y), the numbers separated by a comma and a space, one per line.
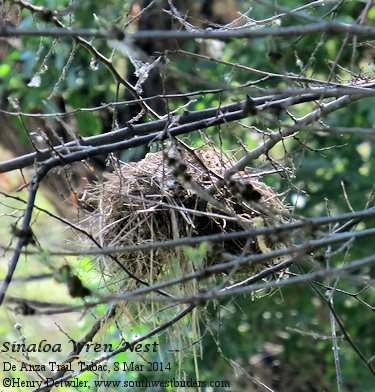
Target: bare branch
(332, 27)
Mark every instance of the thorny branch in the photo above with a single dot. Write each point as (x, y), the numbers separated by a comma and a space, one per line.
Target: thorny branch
(24, 237)
(142, 134)
(293, 254)
(309, 225)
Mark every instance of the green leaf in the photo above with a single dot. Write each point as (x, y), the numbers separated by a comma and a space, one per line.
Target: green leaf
(4, 69)
(88, 124)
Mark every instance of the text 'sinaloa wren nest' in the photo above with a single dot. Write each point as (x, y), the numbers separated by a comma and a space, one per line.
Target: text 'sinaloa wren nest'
(165, 197)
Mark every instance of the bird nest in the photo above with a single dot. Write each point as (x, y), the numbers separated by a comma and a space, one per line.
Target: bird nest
(176, 195)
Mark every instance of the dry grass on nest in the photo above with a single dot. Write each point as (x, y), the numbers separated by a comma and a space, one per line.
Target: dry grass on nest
(150, 200)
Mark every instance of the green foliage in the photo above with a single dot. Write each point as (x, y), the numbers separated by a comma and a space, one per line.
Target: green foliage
(197, 255)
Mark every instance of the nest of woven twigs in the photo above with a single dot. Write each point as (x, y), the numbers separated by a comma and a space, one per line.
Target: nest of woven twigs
(174, 195)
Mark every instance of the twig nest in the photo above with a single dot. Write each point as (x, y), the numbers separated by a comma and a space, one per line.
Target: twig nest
(176, 195)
